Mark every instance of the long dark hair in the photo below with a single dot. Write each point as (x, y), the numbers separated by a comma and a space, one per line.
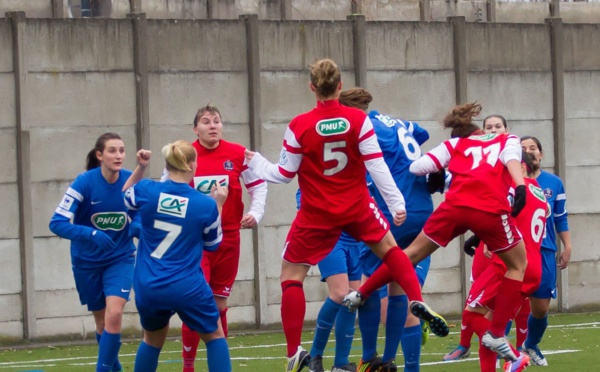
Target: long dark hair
(537, 141)
(460, 120)
(92, 160)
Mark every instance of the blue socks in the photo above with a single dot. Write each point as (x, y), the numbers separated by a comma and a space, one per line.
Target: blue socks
(344, 334)
(217, 354)
(537, 327)
(108, 350)
(325, 320)
(396, 319)
(117, 366)
(411, 348)
(146, 358)
(369, 315)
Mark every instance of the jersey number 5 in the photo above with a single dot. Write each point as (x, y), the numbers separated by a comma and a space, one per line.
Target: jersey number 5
(173, 232)
(481, 154)
(334, 151)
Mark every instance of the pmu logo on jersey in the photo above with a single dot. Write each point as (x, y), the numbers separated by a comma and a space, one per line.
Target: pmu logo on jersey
(485, 137)
(537, 192)
(109, 220)
(332, 127)
(205, 183)
(228, 165)
(172, 205)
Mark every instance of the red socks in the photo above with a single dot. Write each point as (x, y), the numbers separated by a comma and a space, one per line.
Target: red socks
(521, 322)
(403, 273)
(293, 310)
(223, 316)
(508, 301)
(382, 276)
(189, 340)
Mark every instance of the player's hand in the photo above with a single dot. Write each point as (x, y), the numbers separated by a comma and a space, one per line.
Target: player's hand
(102, 240)
(470, 245)
(399, 217)
(248, 221)
(436, 182)
(143, 157)
(248, 154)
(219, 193)
(519, 201)
(486, 252)
(564, 258)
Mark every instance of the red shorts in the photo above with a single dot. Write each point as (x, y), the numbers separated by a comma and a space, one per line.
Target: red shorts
(480, 262)
(447, 222)
(309, 242)
(221, 266)
(485, 288)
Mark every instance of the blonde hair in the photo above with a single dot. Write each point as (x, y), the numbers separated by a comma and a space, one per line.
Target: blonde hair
(460, 119)
(178, 156)
(356, 97)
(325, 76)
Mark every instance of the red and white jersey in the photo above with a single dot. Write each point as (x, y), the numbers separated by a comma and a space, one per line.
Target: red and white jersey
(480, 178)
(226, 165)
(330, 148)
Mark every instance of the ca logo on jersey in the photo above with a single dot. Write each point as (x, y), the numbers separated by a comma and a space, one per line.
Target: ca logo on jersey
(109, 220)
(332, 127)
(172, 205)
(205, 183)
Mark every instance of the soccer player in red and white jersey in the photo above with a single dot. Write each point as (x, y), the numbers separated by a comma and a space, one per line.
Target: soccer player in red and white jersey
(482, 296)
(483, 167)
(223, 163)
(330, 148)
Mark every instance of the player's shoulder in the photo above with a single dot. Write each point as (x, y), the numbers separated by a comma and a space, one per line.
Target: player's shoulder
(233, 146)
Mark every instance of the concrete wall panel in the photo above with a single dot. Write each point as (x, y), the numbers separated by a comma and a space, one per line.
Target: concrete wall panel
(272, 251)
(580, 12)
(79, 325)
(186, 45)
(93, 99)
(391, 10)
(7, 101)
(197, 9)
(409, 46)
(304, 43)
(59, 303)
(443, 281)
(400, 93)
(473, 11)
(582, 134)
(8, 154)
(11, 308)
(79, 45)
(242, 293)
(506, 47)
(586, 247)
(33, 8)
(508, 12)
(9, 219)
(246, 268)
(584, 285)
(317, 9)
(52, 264)
(582, 90)
(6, 45)
(12, 329)
(241, 316)
(580, 197)
(578, 41)
(10, 275)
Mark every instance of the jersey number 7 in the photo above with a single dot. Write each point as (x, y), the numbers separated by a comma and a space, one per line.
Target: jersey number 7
(173, 232)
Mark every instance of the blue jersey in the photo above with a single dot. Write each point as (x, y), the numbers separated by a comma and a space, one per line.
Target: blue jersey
(557, 199)
(399, 141)
(94, 204)
(177, 224)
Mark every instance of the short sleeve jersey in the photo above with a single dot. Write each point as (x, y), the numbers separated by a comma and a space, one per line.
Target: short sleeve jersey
(178, 223)
(224, 165)
(93, 202)
(332, 173)
(479, 176)
(400, 143)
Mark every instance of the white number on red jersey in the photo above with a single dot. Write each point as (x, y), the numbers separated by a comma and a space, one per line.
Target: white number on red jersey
(334, 151)
(538, 225)
(481, 154)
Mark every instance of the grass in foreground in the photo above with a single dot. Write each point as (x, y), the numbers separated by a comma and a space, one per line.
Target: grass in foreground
(572, 342)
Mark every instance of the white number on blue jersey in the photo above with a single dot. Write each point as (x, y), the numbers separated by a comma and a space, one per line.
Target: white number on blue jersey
(173, 232)
(329, 154)
(409, 143)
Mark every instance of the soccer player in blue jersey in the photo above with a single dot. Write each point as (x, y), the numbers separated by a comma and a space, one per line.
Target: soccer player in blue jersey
(102, 251)
(177, 225)
(341, 270)
(399, 141)
(556, 223)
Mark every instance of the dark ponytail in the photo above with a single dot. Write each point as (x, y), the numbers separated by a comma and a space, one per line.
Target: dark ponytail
(92, 160)
(460, 120)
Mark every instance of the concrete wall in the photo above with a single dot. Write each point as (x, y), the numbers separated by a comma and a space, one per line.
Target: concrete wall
(81, 81)
(381, 10)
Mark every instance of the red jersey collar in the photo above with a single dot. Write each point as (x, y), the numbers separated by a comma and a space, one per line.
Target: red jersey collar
(330, 103)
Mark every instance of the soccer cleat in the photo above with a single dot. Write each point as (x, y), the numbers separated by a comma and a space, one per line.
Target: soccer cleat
(535, 355)
(517, 366)
(353, 301)
(316, 364)
(351, 367)
(459, 353)
(499, 345)
(298, 360)
(388, 366)
(437, 323)
(424, 332)
(371, 365)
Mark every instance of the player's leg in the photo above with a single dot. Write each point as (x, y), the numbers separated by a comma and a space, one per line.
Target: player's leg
(146, 358)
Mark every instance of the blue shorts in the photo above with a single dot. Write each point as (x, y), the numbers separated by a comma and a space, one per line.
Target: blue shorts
(343, 259)
(94, 285)
(190, 298)
(547, 288)
(404, 235)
